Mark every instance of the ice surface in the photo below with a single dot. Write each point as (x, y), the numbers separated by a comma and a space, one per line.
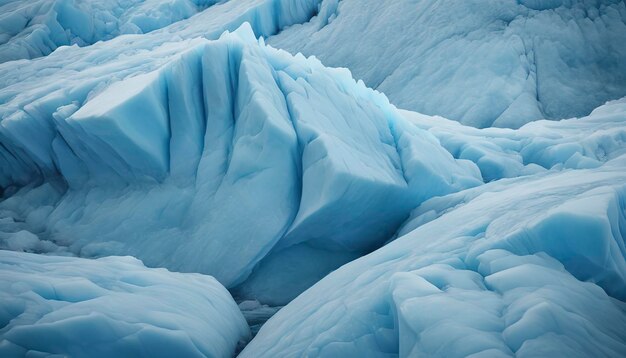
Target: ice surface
(218, 157)
(32, 91)
(256, 314)
(536, 147)
(112, 306)
(185, 141)
(30, 29)
(501, 64)
(532, 266)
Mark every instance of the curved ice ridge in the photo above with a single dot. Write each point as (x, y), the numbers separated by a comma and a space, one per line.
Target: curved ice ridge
(31, 91)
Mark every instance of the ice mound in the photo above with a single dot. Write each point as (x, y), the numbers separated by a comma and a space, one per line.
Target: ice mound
(532, 266)
(31, 29)
(112, 306)
(231, 158)
(499, 64)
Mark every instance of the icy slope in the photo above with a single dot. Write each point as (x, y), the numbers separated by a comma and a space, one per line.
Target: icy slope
(113, 306)
(532, 266)
(30, 29)
(497, 63)
(231, 159)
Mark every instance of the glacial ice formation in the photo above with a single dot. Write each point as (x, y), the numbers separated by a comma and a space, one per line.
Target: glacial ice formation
(32, 91)
(576, 143)
(112, 307)
(177, 137)
(502, 63)
(229, 156)
(30, 29)
(531, 266)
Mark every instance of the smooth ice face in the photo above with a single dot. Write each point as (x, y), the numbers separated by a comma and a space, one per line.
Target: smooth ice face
(223, 155)
(112, 306)
(500, 64)
(532, 266)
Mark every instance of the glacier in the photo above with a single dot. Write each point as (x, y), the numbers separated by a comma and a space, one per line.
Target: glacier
(504, 63)
(37, 28)
(540, 146)
(113, 306)
(87, 71)
(186, 154)
(177, 179)
(531, 266)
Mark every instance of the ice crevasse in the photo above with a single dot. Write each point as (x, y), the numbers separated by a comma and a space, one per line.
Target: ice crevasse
(232, 159)
(533, 263)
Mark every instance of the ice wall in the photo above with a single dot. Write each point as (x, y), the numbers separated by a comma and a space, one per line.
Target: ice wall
(32, 91)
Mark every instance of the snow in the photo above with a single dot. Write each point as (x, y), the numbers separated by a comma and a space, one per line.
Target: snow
(230, 159)
(530, 266)
(503, 64)
(112, 306)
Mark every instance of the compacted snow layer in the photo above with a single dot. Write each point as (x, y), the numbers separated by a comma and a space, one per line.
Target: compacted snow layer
(228, 158)
(532, 266)
(112, 307)
(30, 29)
(498, 63)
